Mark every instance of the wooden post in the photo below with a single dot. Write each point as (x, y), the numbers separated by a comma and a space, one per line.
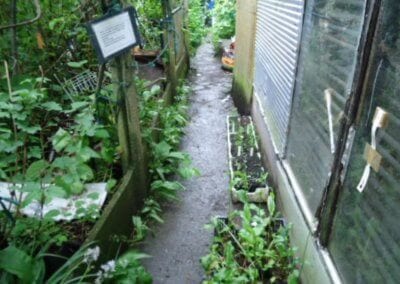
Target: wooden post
(133, 152)
(169, 39)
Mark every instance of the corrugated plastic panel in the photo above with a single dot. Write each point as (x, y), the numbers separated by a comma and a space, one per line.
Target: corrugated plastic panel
(277, 41)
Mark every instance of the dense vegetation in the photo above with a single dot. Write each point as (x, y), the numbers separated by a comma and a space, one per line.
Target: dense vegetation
(224, 19)
(197, 18)
(54, 139)
(251, 246)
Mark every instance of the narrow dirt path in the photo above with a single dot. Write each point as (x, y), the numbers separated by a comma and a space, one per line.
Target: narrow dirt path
(178, 244)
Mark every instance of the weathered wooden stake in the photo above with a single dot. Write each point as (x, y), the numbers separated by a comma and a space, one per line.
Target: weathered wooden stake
(133, 151)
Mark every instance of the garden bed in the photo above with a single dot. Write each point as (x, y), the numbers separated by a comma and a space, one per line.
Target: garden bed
(251, 246)
(247, 173)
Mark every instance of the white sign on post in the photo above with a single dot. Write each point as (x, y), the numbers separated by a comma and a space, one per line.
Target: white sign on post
(113, 35)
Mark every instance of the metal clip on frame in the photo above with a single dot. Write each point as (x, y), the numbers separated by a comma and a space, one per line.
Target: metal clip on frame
(381, 120)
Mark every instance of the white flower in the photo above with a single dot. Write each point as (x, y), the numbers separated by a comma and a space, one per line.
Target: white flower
(92, 254)
(108, 268)
(254, 224)
(99, 278)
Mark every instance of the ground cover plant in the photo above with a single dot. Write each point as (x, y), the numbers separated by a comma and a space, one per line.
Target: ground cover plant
(251, 246)
(167, 163)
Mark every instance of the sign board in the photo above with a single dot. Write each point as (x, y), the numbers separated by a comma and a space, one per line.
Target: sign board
(114, 34)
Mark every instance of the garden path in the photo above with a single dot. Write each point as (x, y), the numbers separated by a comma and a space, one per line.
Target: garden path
(178, 244)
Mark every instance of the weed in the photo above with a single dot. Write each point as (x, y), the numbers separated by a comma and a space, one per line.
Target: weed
(254, 252)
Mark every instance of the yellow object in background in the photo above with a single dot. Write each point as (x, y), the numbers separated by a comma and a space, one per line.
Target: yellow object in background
(40, 40)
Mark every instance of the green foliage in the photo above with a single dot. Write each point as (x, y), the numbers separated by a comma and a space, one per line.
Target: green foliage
(150, 14)
(197, 17)
(166, 162)
(59, 36)
(50, 148)
(129, 270)
(47, 147)
(248, 172)
(257, 251)
(17, 264)
(33, 235)
(224, 15)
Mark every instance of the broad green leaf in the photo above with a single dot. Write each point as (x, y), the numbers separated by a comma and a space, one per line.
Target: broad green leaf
(35, 152)
(77, 64)
(29, 129)
(177, 155)
(77, 105)
(37, 169)
(111, 184)
(101, 133)
(61, 139)
(271, 204)
(85, 172)
(55, 191)
(18, 263)
(93, 195)
(155, 90)
(52, 106)
(77, 188)
(60, 182)
(162, 149)
(86, 153)
(188, 172)
(34, 195)
(294, 277)
(64, 163)
(51, 214)
(55, 21)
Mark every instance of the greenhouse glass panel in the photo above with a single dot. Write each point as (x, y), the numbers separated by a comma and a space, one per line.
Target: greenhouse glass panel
(365, 241)
(331, 36)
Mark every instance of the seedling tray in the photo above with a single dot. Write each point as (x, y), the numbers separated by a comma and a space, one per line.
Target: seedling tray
(245, 160)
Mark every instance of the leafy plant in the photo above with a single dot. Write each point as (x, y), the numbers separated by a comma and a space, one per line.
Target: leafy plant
(224, 14)
(166, 161)
(240, 181)
(150, 14)
(127, 269)
(254, 251)
(32, 234)
(197, 17)
(17, 265)
(47, 150)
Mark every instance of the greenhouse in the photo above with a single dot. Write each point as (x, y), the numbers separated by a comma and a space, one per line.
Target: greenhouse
(199, 141)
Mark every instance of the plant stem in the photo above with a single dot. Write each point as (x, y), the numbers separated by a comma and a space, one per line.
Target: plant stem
(14, 43)
(80, 278)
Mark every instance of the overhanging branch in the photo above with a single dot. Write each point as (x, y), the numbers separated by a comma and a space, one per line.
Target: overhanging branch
(37, 17)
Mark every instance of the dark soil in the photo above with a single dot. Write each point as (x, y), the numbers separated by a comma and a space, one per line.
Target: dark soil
(246, 163)
(150, 72)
